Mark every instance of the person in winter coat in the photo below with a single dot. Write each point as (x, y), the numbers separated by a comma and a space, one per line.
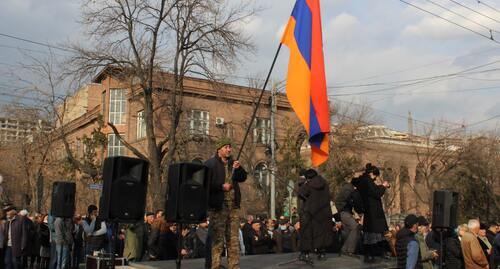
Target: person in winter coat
(171, 240)
(284, 238)
(133, 241)
(157, 240)
(315, 214)
(407, 247)
(260, 239)
(453, 257)
(374, 221)
(43, 237)
(16, 239)
(474, 257)
(347, 200)
(496, 251)
(427, 256)
(63, 238)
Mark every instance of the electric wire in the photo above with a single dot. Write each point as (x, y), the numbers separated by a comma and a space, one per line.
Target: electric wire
(450, 21)
(475, 11)
(462, 16)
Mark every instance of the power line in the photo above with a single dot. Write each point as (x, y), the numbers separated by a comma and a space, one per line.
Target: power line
(432, 81)
(465, 71)
(421, 66)
(26, 49)
(475, 11)
(491, 7)
(36, 42)
(452, 22)
(462, 16)
(389, 113)
(436, 92)
(483, 121)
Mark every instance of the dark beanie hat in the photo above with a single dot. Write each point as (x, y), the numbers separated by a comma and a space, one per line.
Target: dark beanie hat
(411, 220)
(422, 221)
(309, 173)
(369, 168)
(91, 208)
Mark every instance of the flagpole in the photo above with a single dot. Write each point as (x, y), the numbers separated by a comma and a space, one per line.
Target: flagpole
(258, 102)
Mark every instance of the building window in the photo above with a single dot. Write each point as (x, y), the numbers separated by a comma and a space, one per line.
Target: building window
(117, 105)
(261, 174)
(199, 122)
(262, 131)
(141, 125)
(115, 146)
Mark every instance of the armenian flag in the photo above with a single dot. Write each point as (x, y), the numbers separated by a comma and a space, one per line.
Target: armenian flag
(306, 82)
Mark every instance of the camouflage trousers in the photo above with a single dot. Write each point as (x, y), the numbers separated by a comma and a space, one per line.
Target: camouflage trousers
(225, 224)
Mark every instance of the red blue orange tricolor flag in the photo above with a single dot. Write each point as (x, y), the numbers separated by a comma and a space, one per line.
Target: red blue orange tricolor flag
(306, 83)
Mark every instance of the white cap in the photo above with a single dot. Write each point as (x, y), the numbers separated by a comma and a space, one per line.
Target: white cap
(23, 212)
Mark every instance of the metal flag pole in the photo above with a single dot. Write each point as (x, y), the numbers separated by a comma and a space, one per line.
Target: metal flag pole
(258, 102)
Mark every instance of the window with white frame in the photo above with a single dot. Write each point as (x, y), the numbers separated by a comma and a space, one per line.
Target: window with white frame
(117, 105)
(262, 131)
(199, 122)
(261, 174)
(141, 125)
(115, 146)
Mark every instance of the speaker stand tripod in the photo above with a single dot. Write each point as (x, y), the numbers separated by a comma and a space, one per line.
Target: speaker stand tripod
(298, 259)
(179, 247)
(114, 227)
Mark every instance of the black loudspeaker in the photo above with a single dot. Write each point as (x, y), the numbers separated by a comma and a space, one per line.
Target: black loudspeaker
(124, 189)
(187, 197)
(63, 199)
(444, 210)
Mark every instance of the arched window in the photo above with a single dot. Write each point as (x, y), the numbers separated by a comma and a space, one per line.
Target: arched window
(261, 174)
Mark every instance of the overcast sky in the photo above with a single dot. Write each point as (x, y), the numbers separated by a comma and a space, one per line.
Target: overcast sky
(376, 48)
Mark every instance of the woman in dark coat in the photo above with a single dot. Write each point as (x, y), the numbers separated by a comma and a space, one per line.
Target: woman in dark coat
(315, 213)
(454, 258)
(157, 241)
(374, 221)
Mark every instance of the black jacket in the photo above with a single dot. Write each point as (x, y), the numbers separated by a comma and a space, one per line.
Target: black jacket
(315, 214)
(20, 236)
(404, 237)
(348, 199)
(374, 218)
(217, 179)
(454, 259)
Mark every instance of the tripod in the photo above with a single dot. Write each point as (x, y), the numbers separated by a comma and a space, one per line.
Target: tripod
(298, 259)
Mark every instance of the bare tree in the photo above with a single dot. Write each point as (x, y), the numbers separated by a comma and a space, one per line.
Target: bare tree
(141, 39)
(437, 157)
(476, 179)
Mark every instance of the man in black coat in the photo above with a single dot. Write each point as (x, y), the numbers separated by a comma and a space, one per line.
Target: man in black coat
(374, 221)
(224, 203)
(315, 214)
(16, 239)
(347, 200)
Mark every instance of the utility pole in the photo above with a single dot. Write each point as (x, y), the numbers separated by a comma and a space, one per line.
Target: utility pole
(273, 156)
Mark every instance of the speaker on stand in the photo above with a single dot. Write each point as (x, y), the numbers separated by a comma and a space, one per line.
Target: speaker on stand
(444, 215)
(63, 199)
(187, 196)
(123, 198)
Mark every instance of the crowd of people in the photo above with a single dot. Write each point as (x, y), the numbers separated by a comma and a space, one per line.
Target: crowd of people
(42, 241)
(358, 229)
